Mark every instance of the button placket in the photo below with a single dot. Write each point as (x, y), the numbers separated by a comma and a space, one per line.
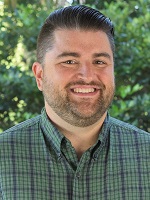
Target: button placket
(80, 176)
(81, 168)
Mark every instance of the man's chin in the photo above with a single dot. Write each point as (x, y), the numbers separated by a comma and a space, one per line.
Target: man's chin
(84, 121)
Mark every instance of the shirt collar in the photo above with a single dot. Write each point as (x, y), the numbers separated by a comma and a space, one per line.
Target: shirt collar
(52, 134)
(55, 138)
(104, 130)
(102, 139)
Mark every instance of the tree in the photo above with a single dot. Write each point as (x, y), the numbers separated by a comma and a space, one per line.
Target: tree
(132, 101)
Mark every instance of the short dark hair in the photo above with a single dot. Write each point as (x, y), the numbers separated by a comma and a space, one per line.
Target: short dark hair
(72, 17)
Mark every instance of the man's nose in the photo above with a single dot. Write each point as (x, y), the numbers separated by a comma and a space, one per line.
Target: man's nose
(86, 72)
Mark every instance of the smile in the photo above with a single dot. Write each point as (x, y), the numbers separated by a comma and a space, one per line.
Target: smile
(84, 90)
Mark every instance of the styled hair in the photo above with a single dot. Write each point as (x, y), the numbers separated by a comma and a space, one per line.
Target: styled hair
(72, 17)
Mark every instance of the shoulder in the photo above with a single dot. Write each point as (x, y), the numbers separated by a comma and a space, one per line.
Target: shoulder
(128, 131)
(130, 145)
(21, 129)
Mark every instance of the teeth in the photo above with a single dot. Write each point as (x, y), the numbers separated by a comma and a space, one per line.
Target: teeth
(84, 90)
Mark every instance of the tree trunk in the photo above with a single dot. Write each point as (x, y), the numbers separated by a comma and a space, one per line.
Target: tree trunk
(11, 4)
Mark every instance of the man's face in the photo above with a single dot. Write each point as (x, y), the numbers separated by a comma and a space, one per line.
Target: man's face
(78, 76)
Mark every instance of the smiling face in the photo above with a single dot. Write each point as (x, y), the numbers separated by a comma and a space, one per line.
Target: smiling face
(77, 79)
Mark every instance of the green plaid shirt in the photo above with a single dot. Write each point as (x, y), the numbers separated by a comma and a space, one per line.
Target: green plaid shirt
(39, 163)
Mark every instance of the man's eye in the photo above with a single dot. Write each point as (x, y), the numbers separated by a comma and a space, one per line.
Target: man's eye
(99, 62)
(70, 62)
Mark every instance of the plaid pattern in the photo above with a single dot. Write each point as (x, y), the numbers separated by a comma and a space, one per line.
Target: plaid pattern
(38, 163)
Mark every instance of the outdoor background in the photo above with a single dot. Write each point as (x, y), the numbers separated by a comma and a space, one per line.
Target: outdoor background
(20, 22)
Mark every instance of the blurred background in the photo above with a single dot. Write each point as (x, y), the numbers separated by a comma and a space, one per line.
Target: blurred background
(20, 23)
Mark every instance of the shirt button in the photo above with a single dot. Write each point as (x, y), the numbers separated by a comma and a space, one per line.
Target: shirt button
(78, 175)
(95, 157)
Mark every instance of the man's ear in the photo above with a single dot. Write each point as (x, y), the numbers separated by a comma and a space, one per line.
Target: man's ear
(38, 73)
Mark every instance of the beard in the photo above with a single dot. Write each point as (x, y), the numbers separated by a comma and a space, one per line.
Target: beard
(80, 113)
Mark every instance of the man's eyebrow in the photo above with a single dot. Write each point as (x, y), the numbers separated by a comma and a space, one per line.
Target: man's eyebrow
(77, 55)
(65, 54)
(103, 54)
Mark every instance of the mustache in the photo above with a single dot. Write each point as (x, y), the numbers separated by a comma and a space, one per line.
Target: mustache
(81, 82)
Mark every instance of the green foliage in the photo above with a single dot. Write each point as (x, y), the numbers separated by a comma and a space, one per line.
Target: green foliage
(132, 61)
(19, 96)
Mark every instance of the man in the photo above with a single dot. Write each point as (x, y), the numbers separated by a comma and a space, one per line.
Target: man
(74, 149)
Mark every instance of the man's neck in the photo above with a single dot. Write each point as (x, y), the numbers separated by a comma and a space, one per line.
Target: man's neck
(81, 138)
